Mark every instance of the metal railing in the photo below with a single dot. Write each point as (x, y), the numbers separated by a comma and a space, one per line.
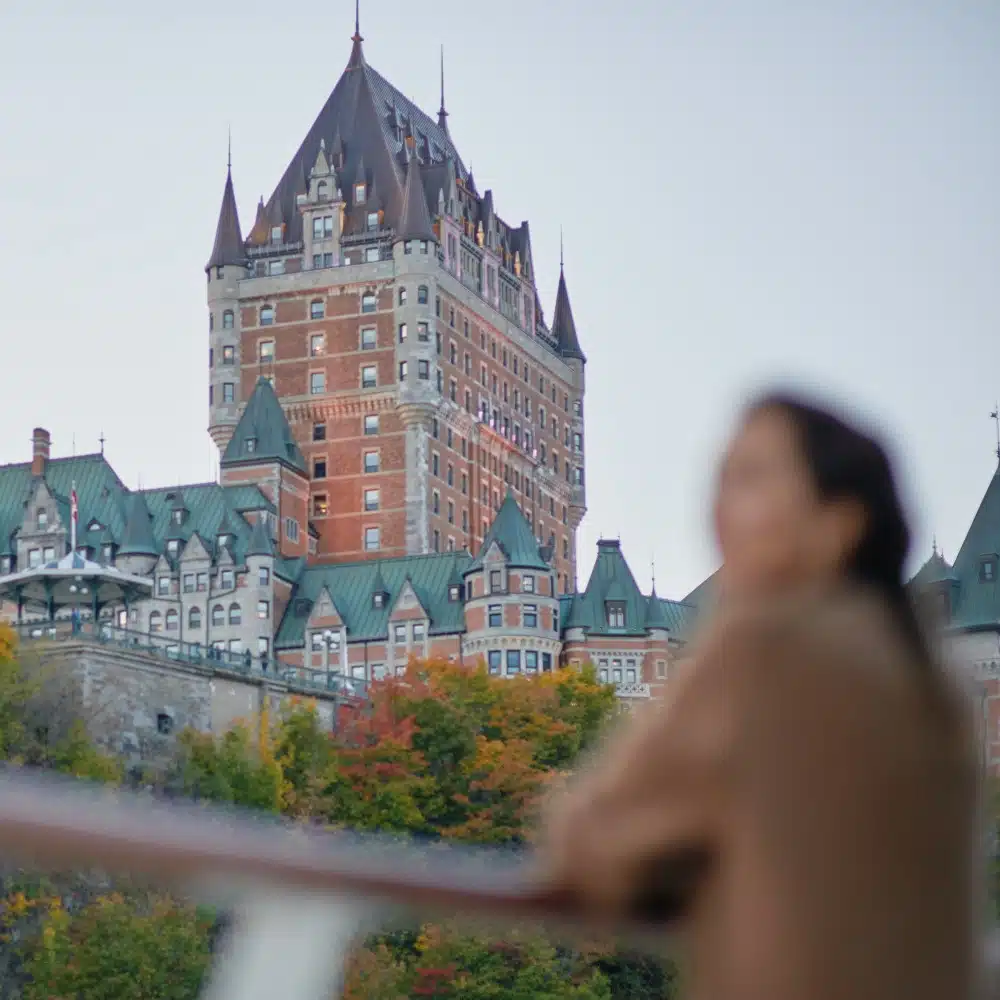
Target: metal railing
(164, 646)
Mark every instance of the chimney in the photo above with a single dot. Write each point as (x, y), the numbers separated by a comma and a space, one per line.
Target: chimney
(40, 444)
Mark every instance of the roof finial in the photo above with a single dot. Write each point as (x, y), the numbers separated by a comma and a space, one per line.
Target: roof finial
(995, 416)
(934, 550)
(561, 257)
(442, 113)
(357, 22)
(652, 569)
(102, 439)
(229, 151)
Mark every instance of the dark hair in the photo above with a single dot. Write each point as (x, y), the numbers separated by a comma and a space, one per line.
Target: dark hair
(848, 465)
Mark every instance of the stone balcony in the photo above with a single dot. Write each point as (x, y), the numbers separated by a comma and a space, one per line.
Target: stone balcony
(632, 690)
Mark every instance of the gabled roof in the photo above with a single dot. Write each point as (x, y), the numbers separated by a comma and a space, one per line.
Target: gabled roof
(563, 325)
(228, 246)
(512, 533)
(263, 422)
(352, 585)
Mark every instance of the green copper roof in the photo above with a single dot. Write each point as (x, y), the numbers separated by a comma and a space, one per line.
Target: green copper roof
(263, 434)
(656, 616)
(935, 570)
(351, 586)
(138, 537)
(977, 601)
(260, 539)
(511, 531)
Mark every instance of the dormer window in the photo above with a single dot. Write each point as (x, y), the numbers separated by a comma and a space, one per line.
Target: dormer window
(455, 593)
(988, 570)
(359, 192)
(372, 220)
(5, 564)
(42, 518)
(108, 552)
(178, 517)
(378, 599)
(496, 581)
(173, 546)
(615, 611)
(250, 445)
(224, 540)
(276, 234)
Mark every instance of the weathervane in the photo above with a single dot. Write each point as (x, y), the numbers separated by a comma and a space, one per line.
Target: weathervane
(995, 417)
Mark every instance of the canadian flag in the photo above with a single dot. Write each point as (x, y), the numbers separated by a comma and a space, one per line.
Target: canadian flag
(74, 509)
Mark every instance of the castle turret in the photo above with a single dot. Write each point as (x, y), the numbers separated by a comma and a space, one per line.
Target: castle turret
(225, 268)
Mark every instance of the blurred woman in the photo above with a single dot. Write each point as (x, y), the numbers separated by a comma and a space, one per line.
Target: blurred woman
(804, 802)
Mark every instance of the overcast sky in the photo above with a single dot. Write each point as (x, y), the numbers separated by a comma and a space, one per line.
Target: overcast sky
(794, 190)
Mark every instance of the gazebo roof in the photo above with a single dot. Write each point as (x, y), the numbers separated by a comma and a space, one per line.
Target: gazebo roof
(71, 581)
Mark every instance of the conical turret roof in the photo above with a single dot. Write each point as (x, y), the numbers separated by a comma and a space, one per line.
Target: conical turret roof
(415, 223)
(260, 539)
(262, 433)
(228, 247)
(563, 325)
(512, 533)
(138, 537)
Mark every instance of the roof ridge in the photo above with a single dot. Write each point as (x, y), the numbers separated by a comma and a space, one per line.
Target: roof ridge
(391, 559)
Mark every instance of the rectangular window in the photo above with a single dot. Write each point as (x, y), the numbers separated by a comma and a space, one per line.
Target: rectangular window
(402, 333)
(319, 432)
(528, 584)
(369, 377)
(202, 582)
(328, 260)
(371, 461)
(496, 581)
(228, 392)
(371, 424)
(263, 610)
(317, 261)
(373, 220)
(275, 267)
(615, 614)
(419, 632)
(228, 354)
(546, 662)
(265, 350)
(321, 506)
(317, 309)
(369, 339)
(227, 579)
(316, 344)
(163, 586)
(263, 577)
(496, 615)
(291, 529)
(371, 500)
(368, 302)
(513, 661)
(402, 371)
(530, 661)
(495, 660)
(423, 370)
(373, 539)
(372, 254)
(319, 468)
(317, 383)
(531, 616)
(423, 332)
(399, 634)
(318, 227)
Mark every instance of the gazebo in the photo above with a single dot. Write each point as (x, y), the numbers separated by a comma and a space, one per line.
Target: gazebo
(72, 582)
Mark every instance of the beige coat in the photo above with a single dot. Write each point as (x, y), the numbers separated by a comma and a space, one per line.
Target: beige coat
(819, 788)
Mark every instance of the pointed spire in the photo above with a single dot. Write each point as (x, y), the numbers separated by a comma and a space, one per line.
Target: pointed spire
(260, 232)
(138, 536)
(357, 59)
(260, 539)
(442, 113)
(563, 326)
(321, 168)
(415, 223)
(228, 246)
(562, 258)
(262, 434)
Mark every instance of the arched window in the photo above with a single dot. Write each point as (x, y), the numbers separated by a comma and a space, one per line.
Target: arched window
(227, 320)
(172, 620)
(194, 618)
(321, 190)
(422, 295)
(317, 309)
(266, 315)
(155, 621)
(218, 615)
(402, 296)
(234, 614)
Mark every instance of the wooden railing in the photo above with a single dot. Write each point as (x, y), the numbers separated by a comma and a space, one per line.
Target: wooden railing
(300, 897)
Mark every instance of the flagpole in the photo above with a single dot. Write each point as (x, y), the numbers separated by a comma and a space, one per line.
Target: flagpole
(73, 514)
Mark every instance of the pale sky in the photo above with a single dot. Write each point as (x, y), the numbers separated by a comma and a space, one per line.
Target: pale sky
(749, 190)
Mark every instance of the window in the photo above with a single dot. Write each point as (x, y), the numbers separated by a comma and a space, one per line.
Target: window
(422, 295)
(455, 592)
(316, 344)
(317, 309)
(227, 320)
(451, 512)
(615, 614)
(317, 383)
(189, 583)
(218, 615)
(263, 610)
(513, 661)
(319, 432)
(399, 633)
(373, 539)
(236, 646)
(155, 621)
(988, 570)
(42, 518)
(371, 424)
(359, 192)
(402, 371)
(496, 581)
(369, 339)
(630, 671)
(437, 540)
(227, 579)
(369, 377)
(371, 461)
(228, 354)
(423, 332)
(531, 616)
(235, 615)
(546, 662)
(321, 506)
(436, 502)
(263, 645)
(250, 445)
(423, 370)
(368, 302)
(194, 618)
(402, 333)
(435, 464)
(163, 586)
(291, 529)
(616, 671)
(372, 254)
(228, 392)
(172, 620)
(372, 220)
(378, 599)
(495, 660)
(496, 615)
(371, 500)
(263, 577)
(266, 315)
(319, 468)
(530, 661)
(203, 581)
